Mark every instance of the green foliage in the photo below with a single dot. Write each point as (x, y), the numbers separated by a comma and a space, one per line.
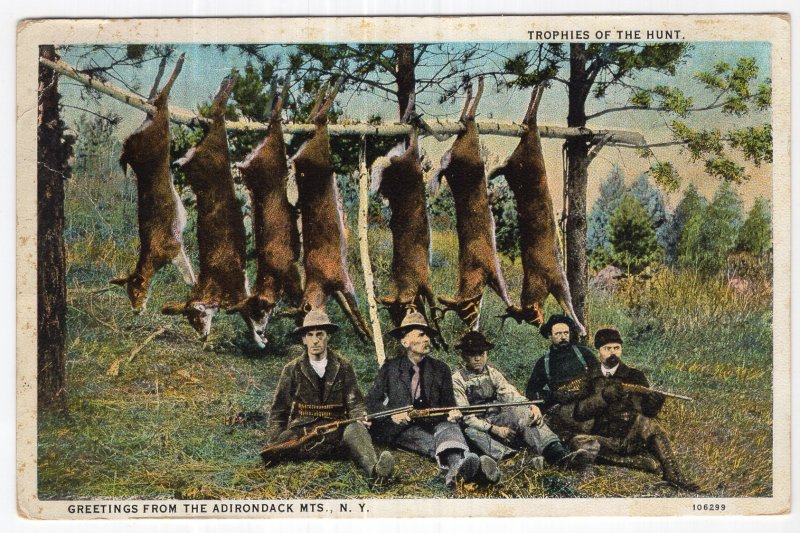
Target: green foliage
(691, 204)
(755, 235)
(181, 139)
(653, 202)
(250, 96)
(504, 210)
(754, 142)
(97, 149)
(598, 245)
(633, 239)
(726, 169)
(710, 235)
(442, 209)
(673, 100)
(665, 175)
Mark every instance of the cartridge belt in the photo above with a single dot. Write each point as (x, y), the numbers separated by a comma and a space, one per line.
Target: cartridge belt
(334, 411)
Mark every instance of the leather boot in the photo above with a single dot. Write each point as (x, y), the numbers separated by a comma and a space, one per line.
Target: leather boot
(641, 461)
(661, 448)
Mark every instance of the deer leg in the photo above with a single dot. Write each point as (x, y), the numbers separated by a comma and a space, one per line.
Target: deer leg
(564, 299)
(348, 304)
(292, 286)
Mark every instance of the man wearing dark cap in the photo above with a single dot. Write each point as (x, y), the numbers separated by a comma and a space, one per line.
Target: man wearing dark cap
(502, 432)
(318, 387)
(624, 422)
(417, 379)
(557, 378)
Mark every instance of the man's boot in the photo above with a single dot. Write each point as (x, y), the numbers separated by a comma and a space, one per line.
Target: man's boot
(463, 465)
(661, 448)
(357, 440)
(384, 468)
(639, 461)
(489, 471)
(556, 455)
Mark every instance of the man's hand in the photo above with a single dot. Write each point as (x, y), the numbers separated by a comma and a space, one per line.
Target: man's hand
(536, 415)
(401, 419)
(453, 415)
(364, 422)
(503, 432)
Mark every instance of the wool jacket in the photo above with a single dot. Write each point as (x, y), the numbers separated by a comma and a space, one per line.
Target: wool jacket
(392, 389)
(613, 419)
(300, 385)
(564, 367)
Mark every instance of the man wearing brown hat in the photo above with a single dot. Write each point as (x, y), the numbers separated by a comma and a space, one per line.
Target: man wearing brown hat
(503, 432)
(417, 379)
(624, 422)
(318, 387)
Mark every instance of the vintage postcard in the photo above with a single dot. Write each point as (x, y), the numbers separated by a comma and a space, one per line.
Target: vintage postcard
(419, 267)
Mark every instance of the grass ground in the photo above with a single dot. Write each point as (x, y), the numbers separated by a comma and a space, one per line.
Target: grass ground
(159, 420)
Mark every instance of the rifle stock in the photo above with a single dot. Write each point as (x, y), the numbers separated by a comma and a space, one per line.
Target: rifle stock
(315, 435)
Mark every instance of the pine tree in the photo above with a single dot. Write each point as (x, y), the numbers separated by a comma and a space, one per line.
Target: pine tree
(611, 191)
(708, 239)
(653, 202)
(755, 235)
(691, 204)
(633, 239)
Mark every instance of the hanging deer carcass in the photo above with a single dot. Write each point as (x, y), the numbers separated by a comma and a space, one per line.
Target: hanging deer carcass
(478, 263)
(277, 241)
(526, 175)
(322, 221)
(399, 178)
(220, 226)
(162, 217)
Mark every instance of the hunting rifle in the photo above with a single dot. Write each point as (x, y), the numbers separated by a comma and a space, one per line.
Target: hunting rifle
(314, 436)
(641, 388)
(575, 385)
(465, 409)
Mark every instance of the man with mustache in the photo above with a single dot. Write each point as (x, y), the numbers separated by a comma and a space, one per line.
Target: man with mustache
(557, 378)
(624, 422)
(316, 388)
(501, 432)
(417, 379)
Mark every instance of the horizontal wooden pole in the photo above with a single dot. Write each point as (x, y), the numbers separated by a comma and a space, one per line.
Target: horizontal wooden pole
(485, 127)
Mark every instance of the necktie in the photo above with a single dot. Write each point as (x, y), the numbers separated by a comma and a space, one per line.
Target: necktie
(415, 383)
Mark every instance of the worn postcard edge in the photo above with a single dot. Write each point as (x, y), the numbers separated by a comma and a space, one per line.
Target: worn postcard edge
(772, 28)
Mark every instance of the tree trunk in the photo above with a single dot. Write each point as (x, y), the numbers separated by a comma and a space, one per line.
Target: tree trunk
(52, 167)
(577, 178)
(406, 77)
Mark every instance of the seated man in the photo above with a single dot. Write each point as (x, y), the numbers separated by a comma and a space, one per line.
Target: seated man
(557, 377)
(502, 432)
(417, 379)
(624, 422)
(318, 387)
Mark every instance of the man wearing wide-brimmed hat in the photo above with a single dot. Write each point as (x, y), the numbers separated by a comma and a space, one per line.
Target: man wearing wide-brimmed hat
(318, 387)
(417, 379)
(624, 422)
(557, 377)
(502, 432)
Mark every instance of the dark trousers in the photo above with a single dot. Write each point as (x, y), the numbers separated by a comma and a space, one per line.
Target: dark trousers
(430, 439)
